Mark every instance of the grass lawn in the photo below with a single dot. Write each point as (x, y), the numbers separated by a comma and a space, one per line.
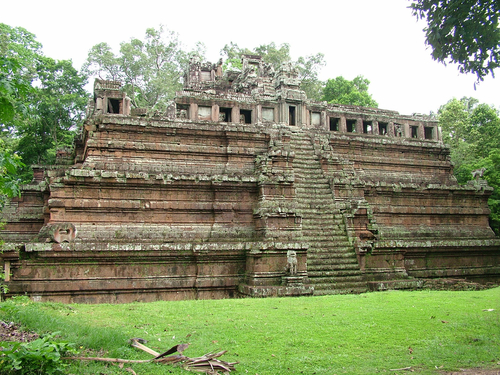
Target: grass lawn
(429, 331)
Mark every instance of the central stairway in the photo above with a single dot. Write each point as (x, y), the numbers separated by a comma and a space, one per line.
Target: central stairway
(331, 261)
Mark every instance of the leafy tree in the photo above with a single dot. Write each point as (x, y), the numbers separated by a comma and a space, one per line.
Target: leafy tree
(9, 182)
(151, 68)
(343, 91)
(44, 99)
(18, 51)
(465, 32)
(56, 107)
(307, 66)
(472, 131)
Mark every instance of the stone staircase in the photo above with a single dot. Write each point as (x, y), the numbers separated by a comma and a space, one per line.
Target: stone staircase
(331, 261)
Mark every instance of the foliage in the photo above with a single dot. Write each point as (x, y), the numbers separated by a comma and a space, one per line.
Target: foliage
(151, 68)
(472, 131)
(343, 91)
(465, 32)
(41, 356)
(307, 66)
(16, 70)
(9, 180)
(45, 99)
(324, 335)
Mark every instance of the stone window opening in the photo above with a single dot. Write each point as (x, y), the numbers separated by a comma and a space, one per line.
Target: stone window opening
(334, 124)
(115, 106)
(398, 130)
(382, 128)
(182, 111)
(291, 115)
(428, 130)
(225, 114)
(367, 127)
(245, 116)
(351, 126)
(414, 131)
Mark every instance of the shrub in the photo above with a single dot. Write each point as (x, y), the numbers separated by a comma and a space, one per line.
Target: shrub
(41, 356)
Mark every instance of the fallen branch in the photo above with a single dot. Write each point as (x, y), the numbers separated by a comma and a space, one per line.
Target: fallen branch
(207, 363)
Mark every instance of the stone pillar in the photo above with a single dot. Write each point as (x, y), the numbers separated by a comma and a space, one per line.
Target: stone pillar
(303, 114)
(406, 130)
(375, 129)
(343, 124)
(359, 126)
(235, 114)
(258, 114)
(390, 129)
(421, 131)
(215, 113)
(193, 111)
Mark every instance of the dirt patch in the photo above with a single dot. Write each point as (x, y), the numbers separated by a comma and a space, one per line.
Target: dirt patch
(12, 332)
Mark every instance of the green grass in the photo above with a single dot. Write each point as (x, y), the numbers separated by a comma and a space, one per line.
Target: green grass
(348, 334)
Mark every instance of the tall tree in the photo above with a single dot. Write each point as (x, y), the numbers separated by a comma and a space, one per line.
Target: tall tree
(19, 52)
(472, 131)
(9, 181)
(56, 109)
(151, 68)
(44, 99)
(343, 91)
(465, 32)
(307, 66)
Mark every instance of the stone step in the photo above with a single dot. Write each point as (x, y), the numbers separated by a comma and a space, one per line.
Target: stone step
(306, 188)
(328, 243)
(327, 246)
(331, 283)
(332, 263)
(320, 245)
(308, 225)
(338, 274)
(315, 214)
(322, 249)
(331, 270)
(316, 262)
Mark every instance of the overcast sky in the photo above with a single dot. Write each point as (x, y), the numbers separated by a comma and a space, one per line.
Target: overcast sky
(380, 40)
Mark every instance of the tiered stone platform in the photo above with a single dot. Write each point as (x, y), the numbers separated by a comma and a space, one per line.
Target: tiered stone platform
(244, 187)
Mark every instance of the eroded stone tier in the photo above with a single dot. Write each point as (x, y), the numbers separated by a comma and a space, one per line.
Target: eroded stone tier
(244, 186)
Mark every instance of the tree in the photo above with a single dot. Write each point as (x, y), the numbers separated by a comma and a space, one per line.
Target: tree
(18, 51)
(56, 110)
(472, 131)
(44, 99)
(465, 32)
(9, 182)
(343, 91)
(151, 69)
(307, 66)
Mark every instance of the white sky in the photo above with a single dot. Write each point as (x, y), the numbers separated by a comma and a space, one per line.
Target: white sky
(380, 40)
